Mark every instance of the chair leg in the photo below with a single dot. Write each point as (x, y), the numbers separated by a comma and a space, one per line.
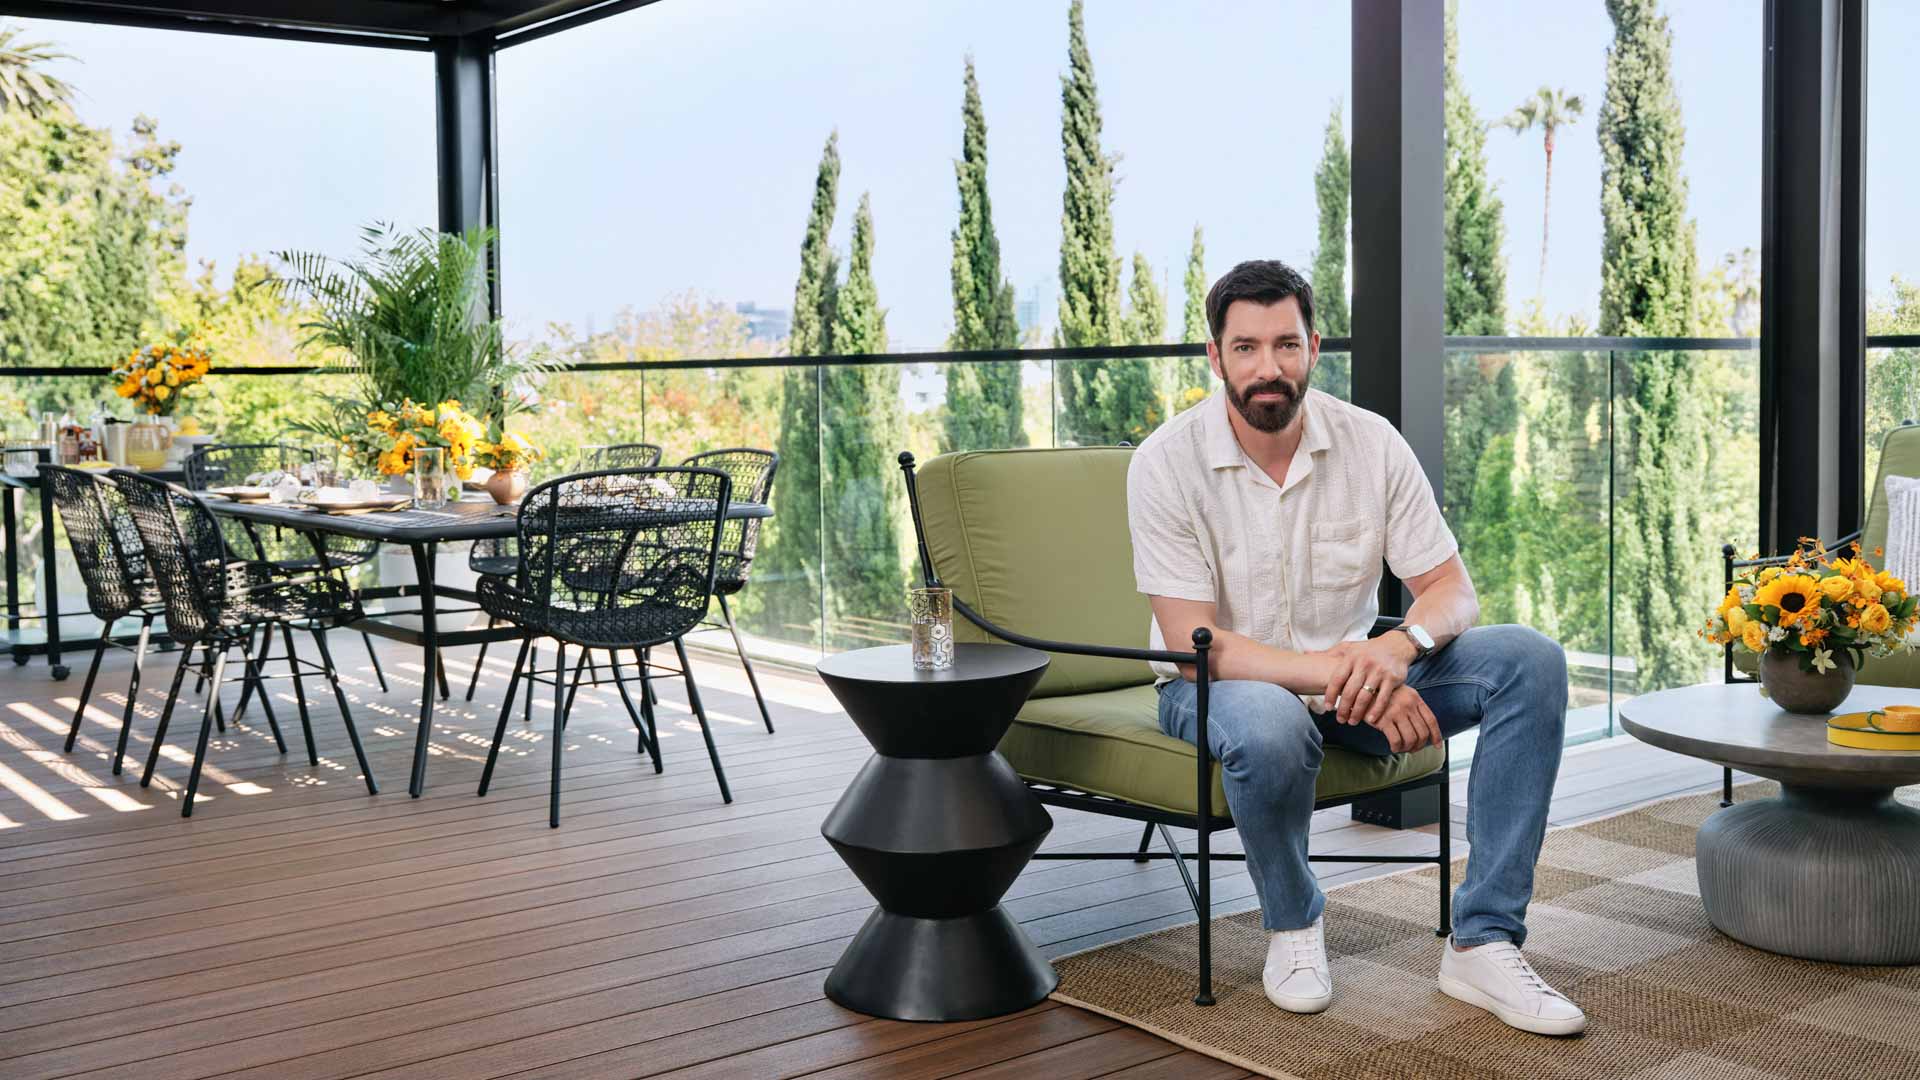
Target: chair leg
(86, 689)
(211, 708)
(480, 661)
(206, 676)
(706, 732)
(647, 744)
(133, 692)
(526, 706)
(752, 679)
(1205, 906)
(440, 675)
(299, 692)
(374, 659)
(1445, 929)
(346, 714)
(1146, 841)
(1726, 782)
(506, 710)
(646, 677)
(166, 714)
(260, 665)
(646, 712)
(579, 666)
(253, 673)
(559, 726)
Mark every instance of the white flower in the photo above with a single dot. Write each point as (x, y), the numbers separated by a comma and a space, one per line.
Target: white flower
(1778, 633)
(1823, 661)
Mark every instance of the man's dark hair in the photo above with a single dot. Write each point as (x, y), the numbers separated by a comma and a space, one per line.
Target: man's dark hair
(1263, 281)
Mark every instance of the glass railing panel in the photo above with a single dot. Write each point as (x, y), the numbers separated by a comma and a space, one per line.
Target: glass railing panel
(1524, 489)
(1893, 398)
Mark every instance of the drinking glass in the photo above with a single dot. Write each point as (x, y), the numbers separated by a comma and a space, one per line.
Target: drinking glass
(431, 477)
(931, 613)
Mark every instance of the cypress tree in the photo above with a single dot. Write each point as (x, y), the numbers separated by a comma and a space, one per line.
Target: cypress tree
(1093, 394)
(1192, 378)
(1476, 281)
(1146, 318)
(983, 400)
(862, 433)
(1332, 184)
(1664, 568)
(789, 564)
(1480, 396)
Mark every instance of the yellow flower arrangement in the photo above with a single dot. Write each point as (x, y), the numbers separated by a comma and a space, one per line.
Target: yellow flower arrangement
(505, 451)
(395, 432)
(154, 376)
(1814, 606)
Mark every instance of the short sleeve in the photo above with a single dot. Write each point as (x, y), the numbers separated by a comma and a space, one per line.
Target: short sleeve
(1417, 535)
(1167, 556)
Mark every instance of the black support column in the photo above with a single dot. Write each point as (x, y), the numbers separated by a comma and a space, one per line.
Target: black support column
(1813, 296)
(464, 129)
(1399, 291)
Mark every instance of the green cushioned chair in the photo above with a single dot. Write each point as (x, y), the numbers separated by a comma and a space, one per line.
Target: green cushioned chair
(1035, 546)
(1899, 456)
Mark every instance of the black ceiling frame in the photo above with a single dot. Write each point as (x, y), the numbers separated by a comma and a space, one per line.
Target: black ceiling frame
(409, 25)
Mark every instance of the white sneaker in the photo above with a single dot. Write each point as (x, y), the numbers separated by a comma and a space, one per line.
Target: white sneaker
(1296, 976)
(1497, 978)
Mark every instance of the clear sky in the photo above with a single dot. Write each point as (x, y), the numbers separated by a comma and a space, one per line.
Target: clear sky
(674, 147)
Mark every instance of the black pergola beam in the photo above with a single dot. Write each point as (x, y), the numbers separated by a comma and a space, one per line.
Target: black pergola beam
(404, 24)
(1813, 306)
(1399, 289)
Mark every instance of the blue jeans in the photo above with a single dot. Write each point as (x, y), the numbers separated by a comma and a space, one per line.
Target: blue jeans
(1510, 680)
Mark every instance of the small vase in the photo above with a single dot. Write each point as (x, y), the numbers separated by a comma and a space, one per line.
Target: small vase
(1810, 692)
(507, 485)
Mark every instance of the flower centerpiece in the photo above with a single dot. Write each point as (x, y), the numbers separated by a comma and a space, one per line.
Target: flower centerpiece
(393, 433)
(155, 377)
(508, 454)
(1812, 621)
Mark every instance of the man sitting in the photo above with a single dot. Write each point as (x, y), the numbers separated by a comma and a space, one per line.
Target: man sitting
(1264, 514)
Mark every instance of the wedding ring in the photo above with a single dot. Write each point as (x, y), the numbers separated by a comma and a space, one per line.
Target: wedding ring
(1366, 689)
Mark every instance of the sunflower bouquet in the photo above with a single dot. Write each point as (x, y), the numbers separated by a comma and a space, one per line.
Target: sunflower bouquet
(155, 375)
(1812, 606)
(392, 434)
(505, 451)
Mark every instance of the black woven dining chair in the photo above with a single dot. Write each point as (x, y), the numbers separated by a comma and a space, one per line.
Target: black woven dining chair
(752, 472)
(215, 603)
(106, 549)
(617, 559)
(498, 556)
(229, 465)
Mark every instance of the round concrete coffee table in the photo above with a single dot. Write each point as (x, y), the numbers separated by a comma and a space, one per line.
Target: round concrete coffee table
(1830, 868)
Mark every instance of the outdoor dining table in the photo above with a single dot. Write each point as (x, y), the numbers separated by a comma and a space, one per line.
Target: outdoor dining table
(421, 531)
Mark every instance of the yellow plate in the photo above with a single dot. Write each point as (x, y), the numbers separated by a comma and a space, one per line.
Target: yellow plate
(1856, 730)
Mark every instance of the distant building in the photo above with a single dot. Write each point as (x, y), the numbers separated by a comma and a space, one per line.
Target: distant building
(1026, 309)
(766, 324)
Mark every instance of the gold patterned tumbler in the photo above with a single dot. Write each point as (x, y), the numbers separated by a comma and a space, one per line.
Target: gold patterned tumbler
(931, 613)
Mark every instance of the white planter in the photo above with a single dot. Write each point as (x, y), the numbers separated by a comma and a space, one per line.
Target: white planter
(450, 570)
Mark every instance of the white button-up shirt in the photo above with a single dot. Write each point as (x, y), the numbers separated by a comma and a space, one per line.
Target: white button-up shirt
(1294, 565)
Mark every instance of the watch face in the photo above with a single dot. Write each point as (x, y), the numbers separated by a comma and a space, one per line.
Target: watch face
(1421, 637)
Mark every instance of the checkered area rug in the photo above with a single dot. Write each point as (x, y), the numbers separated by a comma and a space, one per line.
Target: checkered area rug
(1616, 924)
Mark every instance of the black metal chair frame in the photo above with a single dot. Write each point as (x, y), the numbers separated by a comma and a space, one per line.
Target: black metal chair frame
(217, 636)
(741, 559)
(135, 593)
(1198, 882)
(336, 552)
(532, 537)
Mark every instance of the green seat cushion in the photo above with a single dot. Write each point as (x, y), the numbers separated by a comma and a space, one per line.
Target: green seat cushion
(1036, 541)
(1110, 743)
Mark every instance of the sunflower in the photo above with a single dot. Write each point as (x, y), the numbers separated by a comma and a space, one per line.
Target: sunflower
(1796, 595)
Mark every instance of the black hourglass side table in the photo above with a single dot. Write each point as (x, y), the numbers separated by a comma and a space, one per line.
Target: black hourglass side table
(937, 825)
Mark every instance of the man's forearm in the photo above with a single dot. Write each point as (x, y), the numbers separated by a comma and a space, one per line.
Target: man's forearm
(1236, 656)
(1445, 610)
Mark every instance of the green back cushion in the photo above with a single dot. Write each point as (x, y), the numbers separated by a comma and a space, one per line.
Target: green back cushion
(1899, 456)
(1036, 541)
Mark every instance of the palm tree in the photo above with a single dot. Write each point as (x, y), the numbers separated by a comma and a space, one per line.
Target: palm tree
(1549, 110)
(22, 84)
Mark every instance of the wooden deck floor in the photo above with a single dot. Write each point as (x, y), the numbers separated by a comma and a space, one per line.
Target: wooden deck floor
(297, 928)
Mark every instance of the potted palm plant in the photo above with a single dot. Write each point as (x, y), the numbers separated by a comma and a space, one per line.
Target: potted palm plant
(407, 321)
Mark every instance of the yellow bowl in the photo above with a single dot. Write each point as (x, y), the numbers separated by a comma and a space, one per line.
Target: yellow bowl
(1897, 718)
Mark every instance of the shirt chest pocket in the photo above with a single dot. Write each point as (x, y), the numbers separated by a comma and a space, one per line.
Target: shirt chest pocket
(1346, 566)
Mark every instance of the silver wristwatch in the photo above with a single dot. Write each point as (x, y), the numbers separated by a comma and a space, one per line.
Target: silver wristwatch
(1422, 641)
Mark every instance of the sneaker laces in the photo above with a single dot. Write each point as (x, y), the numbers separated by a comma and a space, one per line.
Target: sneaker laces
(1303, 946)
(1510, 959)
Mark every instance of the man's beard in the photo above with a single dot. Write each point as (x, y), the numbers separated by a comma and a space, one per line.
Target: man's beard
(1269, 416)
